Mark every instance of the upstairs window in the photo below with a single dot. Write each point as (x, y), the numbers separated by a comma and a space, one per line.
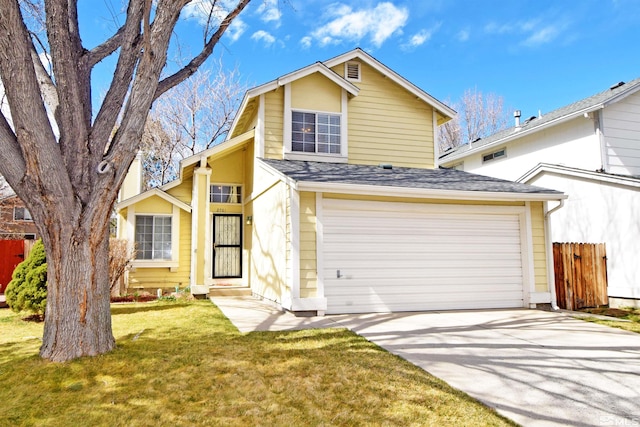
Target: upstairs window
(315, 132)
(153, 237)
(495, 155)
(225, 194)
(21, 214)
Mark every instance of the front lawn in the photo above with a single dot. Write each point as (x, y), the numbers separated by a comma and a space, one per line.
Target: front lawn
(630, 317)
(183, 364)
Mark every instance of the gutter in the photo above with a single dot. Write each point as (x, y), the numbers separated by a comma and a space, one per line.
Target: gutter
(360, 189)
(550, 267)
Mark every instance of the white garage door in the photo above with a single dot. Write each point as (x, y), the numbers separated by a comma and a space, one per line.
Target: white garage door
(383, 257)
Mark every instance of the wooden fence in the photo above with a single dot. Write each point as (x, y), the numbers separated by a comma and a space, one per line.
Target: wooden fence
(581, 275)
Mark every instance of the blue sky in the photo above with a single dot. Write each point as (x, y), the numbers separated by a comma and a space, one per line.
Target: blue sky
(536, 55)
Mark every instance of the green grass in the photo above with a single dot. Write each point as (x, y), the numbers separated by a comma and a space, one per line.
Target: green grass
(184, 363)
(630, 317)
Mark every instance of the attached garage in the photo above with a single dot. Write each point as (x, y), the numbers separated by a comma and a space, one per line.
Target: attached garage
(385, 257)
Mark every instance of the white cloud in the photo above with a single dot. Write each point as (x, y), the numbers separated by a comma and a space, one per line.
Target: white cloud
(419, 38)
(306, 42)
(215, 11)
(542, 36)
(346, 24)
(463, 35)
(236, 29)
(536, 32)
(263, 36)
(270, 11)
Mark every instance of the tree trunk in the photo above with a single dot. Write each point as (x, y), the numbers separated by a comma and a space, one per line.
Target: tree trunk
(78, 315)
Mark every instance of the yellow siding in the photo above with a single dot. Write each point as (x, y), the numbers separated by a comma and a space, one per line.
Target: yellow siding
(150, 279)
(269, 238)
(274, 107)
(183, 192)
(387, 124)
(316, 92)
(154, 205)
(308, 256)
(539, 247)
(229, 169)
(122, 224)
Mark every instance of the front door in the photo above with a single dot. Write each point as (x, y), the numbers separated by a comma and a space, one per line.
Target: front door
(227, 246)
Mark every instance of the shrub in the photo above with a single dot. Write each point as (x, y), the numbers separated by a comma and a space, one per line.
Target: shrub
(121, 253)
(27, 290)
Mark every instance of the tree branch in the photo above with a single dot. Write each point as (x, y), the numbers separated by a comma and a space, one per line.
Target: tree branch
(105, 49)
(32, 130)
(113, 102)
(11, 161)
(189, 69)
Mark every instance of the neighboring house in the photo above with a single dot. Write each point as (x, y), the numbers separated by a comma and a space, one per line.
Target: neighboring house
(15, 219)
(326, 197)
(590, 150)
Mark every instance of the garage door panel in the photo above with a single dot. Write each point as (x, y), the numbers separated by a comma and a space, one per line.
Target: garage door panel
(377, 305)
(391, 261)
(372, 267)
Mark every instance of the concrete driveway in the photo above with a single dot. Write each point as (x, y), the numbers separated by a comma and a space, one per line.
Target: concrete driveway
(534, 367)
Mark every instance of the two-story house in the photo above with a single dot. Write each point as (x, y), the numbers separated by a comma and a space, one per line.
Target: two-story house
(326, 198)
(590, 150)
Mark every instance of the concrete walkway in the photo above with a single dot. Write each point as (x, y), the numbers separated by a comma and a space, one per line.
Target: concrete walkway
(536, 368)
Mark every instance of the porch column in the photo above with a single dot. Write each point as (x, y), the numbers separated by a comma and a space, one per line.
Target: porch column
(200, 229)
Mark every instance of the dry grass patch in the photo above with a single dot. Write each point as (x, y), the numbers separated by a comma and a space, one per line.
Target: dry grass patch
(630, 317)
(184, 364)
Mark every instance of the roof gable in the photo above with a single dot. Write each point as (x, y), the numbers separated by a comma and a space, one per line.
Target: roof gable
(444, 112)
(150, 193)
(603, 177)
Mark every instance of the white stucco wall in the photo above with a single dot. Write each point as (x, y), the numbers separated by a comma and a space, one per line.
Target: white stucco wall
(598, 212)
(573, 144)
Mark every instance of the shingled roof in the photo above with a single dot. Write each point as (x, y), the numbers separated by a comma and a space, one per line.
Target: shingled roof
(559, 115)
(427, 179)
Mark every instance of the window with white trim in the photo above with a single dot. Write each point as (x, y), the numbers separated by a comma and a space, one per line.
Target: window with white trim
(315, 132)
(21, 214)
(153, 237)
(224, 193)
(495, 155)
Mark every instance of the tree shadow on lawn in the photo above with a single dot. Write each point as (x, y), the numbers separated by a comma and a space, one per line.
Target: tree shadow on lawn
(132, 308)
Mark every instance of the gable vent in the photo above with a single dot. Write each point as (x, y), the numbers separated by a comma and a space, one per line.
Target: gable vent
(353, 71)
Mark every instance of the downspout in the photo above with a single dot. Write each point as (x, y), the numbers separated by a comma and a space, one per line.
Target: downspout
(550, 268)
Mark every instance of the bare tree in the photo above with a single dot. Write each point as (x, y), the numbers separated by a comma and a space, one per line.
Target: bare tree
(199, 112)
(160, 155)
(69, 179)
(479, 116)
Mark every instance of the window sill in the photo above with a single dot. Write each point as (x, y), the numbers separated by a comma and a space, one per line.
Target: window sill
(316, 157)
(171, 265)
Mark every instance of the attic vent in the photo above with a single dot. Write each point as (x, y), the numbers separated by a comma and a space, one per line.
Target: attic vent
(617, 85)
(353, 71)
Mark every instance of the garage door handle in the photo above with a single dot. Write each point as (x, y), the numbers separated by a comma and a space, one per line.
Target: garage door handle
(338, 275)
